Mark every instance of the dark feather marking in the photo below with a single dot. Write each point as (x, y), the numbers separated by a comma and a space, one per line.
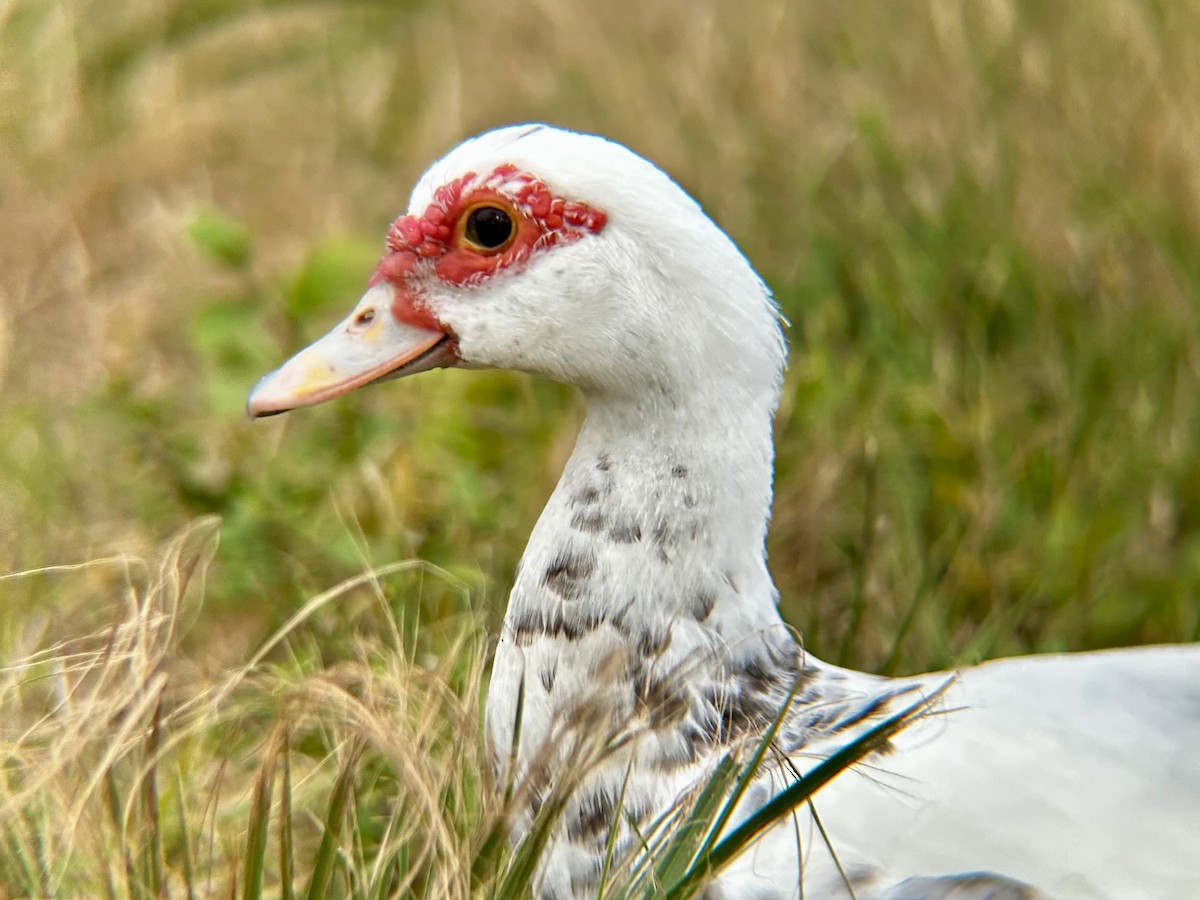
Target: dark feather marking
(754, 670)
(668, 712)
(588, 520)
(590, 824)
(818, 719)
(603, 462)
(678, 471)
(875, 705)
(526, 624)
(547, 674)
(807, 681)
(593, 817)
(566, 571)
(585, 497)
(572, 624)
(744, 712)
(618, 621)
(703, 603)
(652, 641)
(751, 698)
(662, 696)
(697, 739)
(625, 533)
(663, 540)
(580, 622)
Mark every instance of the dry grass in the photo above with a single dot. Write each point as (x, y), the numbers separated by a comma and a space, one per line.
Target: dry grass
(131, 770)
(128, 770)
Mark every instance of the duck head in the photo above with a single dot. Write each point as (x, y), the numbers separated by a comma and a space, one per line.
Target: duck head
(560, 254)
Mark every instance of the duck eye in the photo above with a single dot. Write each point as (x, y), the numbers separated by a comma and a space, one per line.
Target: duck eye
(488, 227)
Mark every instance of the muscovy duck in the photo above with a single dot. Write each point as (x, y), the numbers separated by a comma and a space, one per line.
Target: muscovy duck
(643, 601)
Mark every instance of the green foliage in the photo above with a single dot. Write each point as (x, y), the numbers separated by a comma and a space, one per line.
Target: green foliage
(1005, 438)
(332, 273)
(220, 236)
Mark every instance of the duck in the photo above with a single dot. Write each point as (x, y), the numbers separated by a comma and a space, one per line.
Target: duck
(644, 594)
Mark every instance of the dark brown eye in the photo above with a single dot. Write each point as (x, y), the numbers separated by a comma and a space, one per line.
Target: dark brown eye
(488, 227)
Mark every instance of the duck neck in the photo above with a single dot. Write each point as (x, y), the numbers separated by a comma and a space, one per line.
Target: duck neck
(648, 564)
(679, 497)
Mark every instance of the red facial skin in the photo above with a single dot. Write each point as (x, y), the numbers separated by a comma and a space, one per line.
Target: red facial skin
(436, 239)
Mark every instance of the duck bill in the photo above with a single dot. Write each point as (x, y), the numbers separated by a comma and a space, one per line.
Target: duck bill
(369, 345)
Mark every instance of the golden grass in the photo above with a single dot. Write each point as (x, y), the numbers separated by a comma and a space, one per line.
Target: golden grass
(128, 765)
(130, 769)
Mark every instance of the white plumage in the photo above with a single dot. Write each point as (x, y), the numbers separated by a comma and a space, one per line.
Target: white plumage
(643, 604)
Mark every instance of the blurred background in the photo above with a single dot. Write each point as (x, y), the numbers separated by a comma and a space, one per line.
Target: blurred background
(982, 220)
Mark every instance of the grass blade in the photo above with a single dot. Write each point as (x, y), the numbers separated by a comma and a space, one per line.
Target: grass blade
(339, 802)
(688, 838)
(259, 825)
(287, 865)
(524, 862)
(491, 851)
(117, 818)
(155, 864)
(189, 872)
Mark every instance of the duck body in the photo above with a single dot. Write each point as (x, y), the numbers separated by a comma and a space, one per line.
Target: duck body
(1066, 776)
(643, 616)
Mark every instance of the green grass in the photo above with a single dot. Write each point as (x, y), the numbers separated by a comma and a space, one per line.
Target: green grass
(981, 219)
